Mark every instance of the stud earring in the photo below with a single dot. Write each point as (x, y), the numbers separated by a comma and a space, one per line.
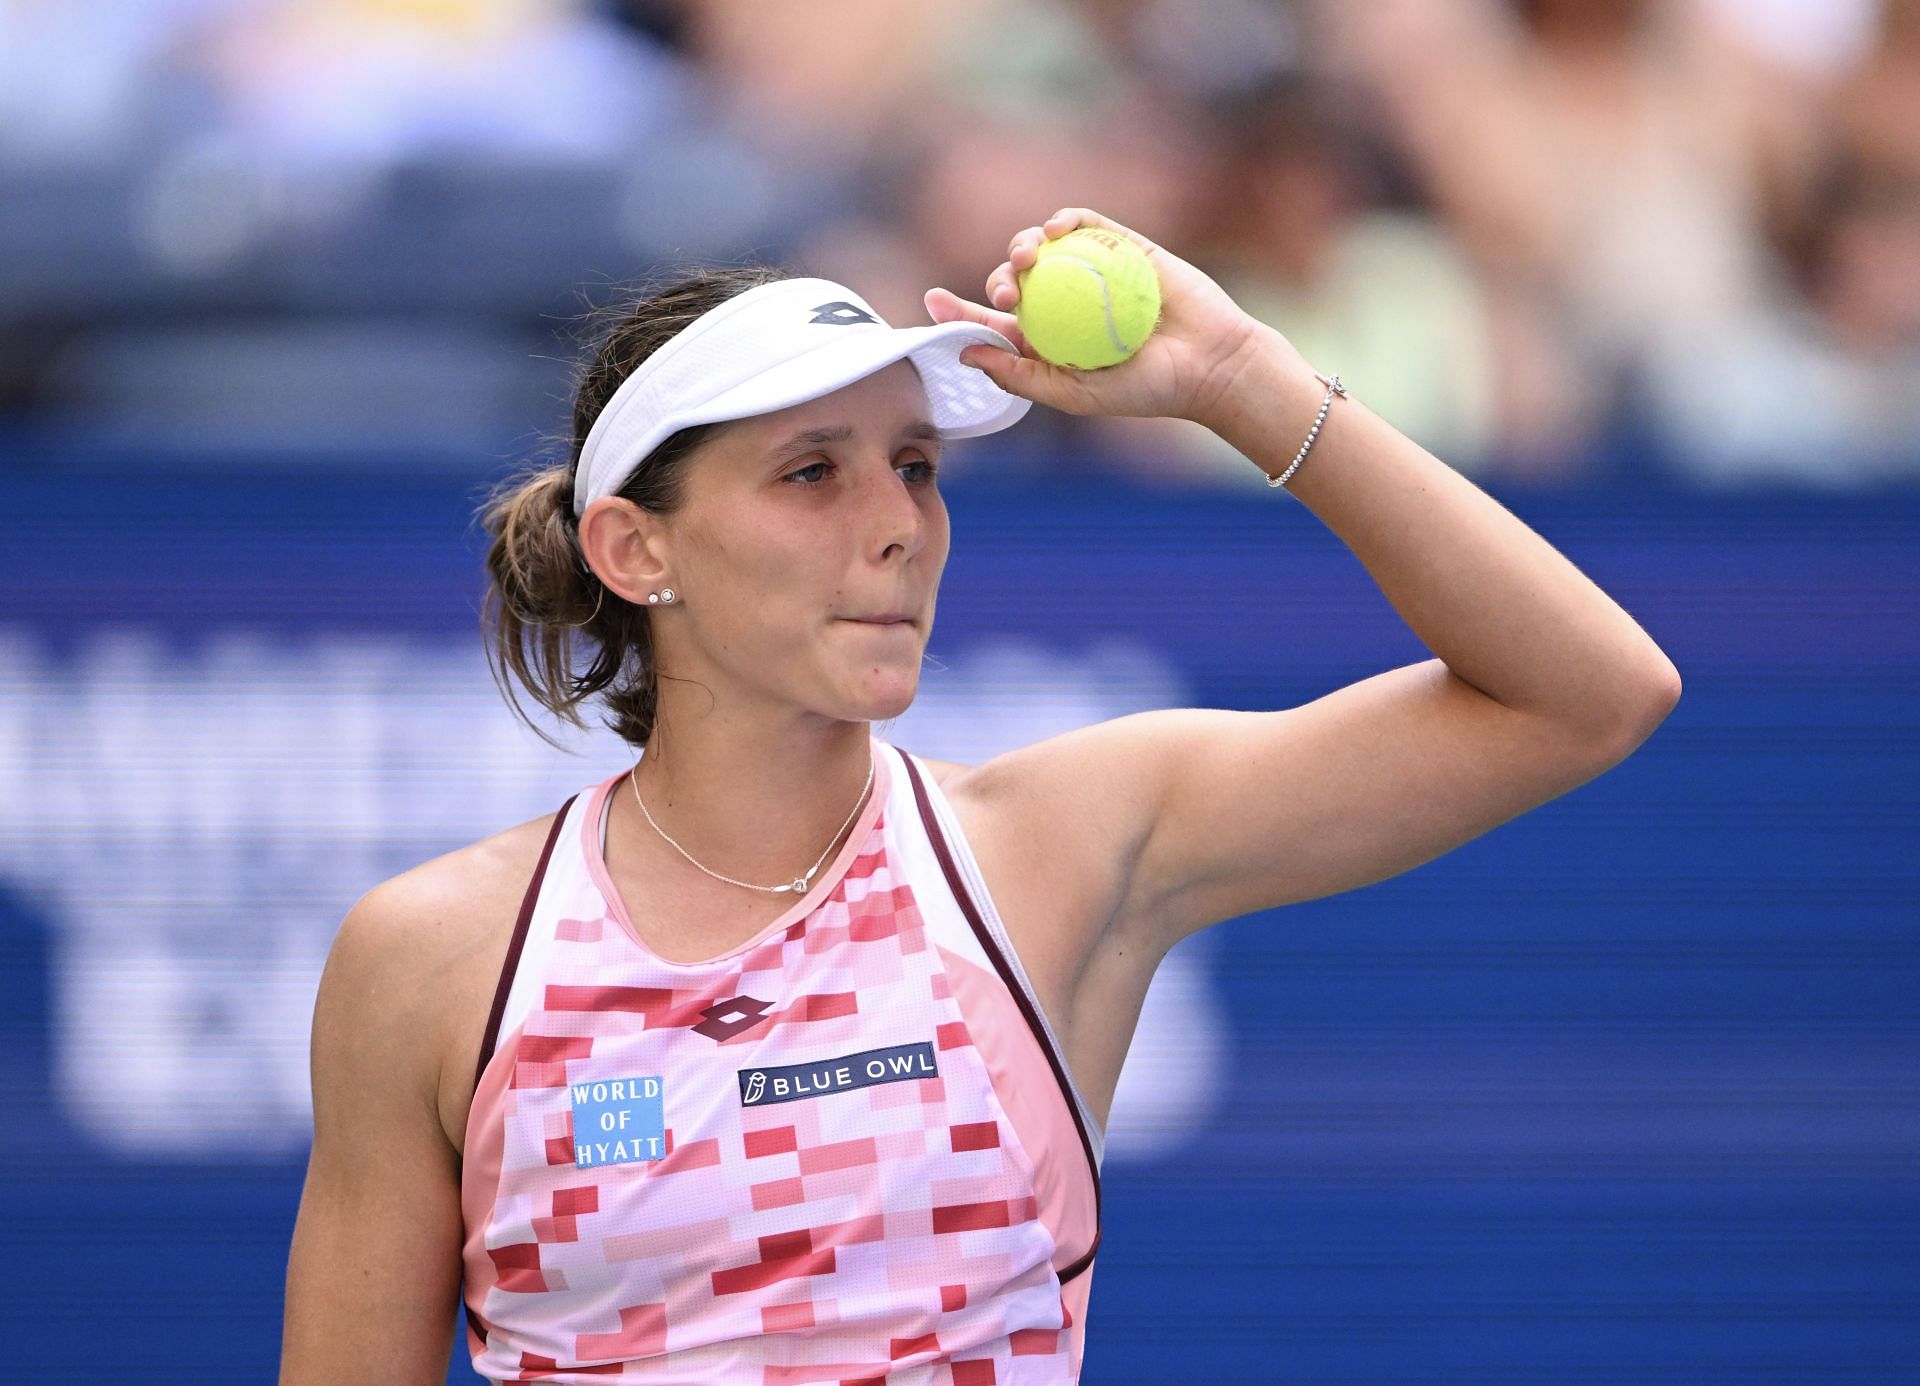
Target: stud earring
(664, 595)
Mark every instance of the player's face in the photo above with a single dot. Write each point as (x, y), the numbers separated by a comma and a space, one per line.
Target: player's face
(785, 550)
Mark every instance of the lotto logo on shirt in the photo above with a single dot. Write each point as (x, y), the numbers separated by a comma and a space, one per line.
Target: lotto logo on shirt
(617, 1122)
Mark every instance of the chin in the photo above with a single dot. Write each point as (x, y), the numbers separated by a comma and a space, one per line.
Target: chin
(883, 696)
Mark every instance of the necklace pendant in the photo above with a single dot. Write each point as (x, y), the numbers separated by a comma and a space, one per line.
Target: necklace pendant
(799, 886)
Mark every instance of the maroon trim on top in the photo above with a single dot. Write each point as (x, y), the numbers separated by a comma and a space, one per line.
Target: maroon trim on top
(505, 984)
(512, 963)
(980, 931)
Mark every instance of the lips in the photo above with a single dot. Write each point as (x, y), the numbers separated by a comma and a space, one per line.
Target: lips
(891, 619)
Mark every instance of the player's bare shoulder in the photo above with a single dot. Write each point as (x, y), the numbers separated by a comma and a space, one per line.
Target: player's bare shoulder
(1055, 826)
(430, 943)
(945, 772)
(440, 913)
(1079, 789)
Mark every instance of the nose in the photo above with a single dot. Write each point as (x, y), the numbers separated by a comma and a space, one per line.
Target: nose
(897, 516)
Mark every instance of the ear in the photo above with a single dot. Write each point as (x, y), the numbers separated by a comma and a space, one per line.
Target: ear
(626, 547)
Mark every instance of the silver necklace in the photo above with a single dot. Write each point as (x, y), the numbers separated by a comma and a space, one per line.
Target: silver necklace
(798, 885)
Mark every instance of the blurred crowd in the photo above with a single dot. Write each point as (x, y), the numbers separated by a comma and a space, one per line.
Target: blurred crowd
(1551, 240)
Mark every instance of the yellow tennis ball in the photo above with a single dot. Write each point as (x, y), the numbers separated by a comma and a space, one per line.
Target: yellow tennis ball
(1089, 299)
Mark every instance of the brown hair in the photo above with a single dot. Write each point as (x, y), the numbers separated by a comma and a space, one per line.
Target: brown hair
(541, 596)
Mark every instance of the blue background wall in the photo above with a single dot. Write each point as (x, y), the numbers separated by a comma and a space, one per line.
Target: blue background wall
(1624, 1091)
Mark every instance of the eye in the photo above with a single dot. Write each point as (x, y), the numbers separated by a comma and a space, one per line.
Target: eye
(799, 476)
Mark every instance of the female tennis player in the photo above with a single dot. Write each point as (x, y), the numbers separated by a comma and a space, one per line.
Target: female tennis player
(783, 1054)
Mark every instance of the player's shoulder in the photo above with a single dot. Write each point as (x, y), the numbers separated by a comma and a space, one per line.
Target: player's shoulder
(432, 918)
(411, 966)
(1086, 776)
(1077, 803)
(1093, 765)
(946, 773)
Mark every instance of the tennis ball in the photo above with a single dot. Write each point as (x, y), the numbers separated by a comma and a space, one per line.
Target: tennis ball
(1089, 299)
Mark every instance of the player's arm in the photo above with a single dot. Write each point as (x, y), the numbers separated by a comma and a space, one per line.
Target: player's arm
(1167, 821)
(1541, 681)
(373, 1277)
(1248, 811)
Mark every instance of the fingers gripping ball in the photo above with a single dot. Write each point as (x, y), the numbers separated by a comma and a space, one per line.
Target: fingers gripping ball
(1090, 299)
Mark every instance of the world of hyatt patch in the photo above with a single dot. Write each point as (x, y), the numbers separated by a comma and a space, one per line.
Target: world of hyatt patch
(759, 1087)
(618, 1121)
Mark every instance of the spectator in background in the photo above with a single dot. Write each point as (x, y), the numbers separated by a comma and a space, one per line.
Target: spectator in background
(1303, 237)
(1296, 212)
(825, 81)
(1516, 226)
(1094, 106)
(1820, 382)
(1604, 161)
(1876, 109)
(1237, 149)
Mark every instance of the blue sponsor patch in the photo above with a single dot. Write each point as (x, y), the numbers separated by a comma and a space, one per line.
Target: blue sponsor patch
(760, 1087)
(617, 1121)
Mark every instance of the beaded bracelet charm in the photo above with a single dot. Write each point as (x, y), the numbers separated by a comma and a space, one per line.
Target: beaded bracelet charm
(1334, 387)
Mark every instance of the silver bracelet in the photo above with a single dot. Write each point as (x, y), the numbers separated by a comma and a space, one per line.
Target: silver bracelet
(1334, 387)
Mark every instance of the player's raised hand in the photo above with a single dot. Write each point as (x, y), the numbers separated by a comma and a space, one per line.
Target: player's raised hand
(1181, 367)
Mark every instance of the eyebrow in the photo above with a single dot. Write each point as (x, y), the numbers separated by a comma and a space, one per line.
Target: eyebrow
(815, 437)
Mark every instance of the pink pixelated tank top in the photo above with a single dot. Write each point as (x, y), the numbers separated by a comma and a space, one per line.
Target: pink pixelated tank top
(849, 1150)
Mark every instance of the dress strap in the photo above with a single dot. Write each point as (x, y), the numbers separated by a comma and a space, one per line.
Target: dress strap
(518, 943)
(1017, 987)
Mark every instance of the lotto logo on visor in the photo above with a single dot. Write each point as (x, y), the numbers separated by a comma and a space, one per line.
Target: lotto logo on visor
(841, 314)
(761, 1087)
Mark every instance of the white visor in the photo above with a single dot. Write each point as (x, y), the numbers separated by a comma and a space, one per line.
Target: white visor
(774, 346)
